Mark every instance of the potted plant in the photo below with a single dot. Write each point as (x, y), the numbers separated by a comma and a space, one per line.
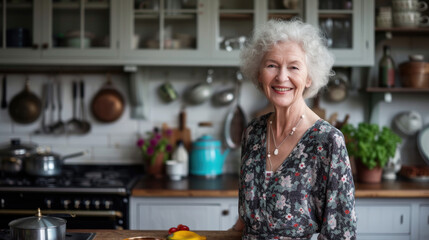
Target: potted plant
(371, 147)
(155, 150)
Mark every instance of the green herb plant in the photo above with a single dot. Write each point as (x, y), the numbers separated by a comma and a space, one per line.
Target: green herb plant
(370, 144)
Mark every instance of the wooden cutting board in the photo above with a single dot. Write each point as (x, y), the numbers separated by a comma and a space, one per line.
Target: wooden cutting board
(181, 133)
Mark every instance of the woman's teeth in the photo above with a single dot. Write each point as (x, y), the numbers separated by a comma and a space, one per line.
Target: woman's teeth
(281, 89)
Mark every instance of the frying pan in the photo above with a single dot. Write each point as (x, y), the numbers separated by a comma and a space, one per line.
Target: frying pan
(25, 107)
(235, 121)
(108, 104)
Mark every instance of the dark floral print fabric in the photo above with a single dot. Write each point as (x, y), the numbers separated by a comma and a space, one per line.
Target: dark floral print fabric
(311, 192)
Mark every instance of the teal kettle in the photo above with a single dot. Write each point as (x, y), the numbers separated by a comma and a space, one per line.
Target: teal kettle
(206, 158)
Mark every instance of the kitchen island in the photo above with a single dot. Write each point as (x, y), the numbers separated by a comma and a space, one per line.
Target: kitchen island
(396, 210)
(124, 234)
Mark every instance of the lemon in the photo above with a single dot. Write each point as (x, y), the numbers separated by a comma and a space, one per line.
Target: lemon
(185, 235)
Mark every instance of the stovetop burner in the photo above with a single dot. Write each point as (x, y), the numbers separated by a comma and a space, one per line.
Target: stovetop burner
(5, 235)
(77, 177)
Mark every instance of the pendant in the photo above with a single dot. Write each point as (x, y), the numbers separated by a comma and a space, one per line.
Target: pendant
(276, 152)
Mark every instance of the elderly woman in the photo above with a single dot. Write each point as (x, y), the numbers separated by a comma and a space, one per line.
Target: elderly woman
(295, 177)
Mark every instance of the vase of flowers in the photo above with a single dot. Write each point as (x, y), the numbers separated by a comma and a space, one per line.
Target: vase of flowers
(155, 150)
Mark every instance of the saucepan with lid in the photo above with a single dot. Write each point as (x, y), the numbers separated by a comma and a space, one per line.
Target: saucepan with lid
(12, 155)
(46, 163)
(38, 227)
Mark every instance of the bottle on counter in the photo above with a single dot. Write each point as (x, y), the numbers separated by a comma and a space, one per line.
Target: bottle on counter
(180, 154)
(386, 72)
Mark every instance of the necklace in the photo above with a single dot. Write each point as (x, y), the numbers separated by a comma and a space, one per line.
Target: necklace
(276, 149)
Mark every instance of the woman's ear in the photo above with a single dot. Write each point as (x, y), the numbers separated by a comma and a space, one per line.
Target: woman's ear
(308, 82)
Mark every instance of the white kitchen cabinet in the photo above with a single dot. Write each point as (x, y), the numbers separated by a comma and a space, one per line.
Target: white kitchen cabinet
(221, 27)
(60, 32)
(198, 213)
(165, 32)
(424, 222)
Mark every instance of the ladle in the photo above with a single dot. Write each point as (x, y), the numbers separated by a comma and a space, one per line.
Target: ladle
(85, 125)
(59, 126)
(73, 126)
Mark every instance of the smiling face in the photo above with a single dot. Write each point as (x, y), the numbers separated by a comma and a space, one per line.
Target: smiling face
(283, 74)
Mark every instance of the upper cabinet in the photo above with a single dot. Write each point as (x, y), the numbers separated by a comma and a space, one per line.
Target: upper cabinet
(161, 32)
(58, 31)
(170, 32)
(349, 28)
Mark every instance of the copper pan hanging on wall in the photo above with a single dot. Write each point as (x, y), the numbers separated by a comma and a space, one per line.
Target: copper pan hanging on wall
(108, 104)
(25, 107)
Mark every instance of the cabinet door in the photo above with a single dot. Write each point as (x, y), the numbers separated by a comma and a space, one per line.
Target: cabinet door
(424, 222)
(232, 26)
(152, 216)
(229, 216)
(20, 29)
(383, 219)
(80, 28)
(349, 27)
(164, 31)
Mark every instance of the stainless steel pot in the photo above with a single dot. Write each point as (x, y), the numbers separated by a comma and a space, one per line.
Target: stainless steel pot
(47, 163)
(200, 92)
(38, 228)
(12, 155)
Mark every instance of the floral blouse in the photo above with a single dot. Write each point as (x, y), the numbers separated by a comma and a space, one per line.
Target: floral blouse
(311, 192)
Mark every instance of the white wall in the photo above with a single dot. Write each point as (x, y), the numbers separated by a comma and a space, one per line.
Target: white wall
(115, 142)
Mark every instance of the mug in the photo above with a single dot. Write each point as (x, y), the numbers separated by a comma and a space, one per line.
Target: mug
(410, 19)
(409, 5)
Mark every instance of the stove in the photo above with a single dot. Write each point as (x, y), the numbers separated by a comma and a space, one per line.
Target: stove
(5, 235)
(87, 196)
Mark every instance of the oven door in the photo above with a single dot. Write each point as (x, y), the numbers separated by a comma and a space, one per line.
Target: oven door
(75, 219)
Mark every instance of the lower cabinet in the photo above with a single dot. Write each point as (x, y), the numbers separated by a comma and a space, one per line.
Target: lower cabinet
(424, 222)
(378, 218)
(393, 218)
(197, 213)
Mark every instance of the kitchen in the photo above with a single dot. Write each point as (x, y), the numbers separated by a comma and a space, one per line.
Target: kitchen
(137, 69)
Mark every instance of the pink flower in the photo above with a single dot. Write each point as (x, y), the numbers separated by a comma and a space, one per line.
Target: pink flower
(150, 150)
(158, 136)
(169, 148)
(140, 142)
(169, 132)
(153, 142)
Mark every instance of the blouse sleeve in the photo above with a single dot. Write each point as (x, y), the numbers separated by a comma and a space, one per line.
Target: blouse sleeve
(339, 216)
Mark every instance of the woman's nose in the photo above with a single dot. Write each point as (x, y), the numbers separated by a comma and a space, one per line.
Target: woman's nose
(283, 74)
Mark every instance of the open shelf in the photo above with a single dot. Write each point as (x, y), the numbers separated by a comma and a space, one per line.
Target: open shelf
(397, 90)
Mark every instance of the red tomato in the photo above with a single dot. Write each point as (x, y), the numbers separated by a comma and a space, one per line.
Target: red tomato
(172, 230)
(183, 227)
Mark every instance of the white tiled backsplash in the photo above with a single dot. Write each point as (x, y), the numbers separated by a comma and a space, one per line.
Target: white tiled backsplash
(115, 142)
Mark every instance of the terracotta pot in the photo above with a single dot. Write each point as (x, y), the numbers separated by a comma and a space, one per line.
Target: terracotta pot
(366, 175)
(155, 167)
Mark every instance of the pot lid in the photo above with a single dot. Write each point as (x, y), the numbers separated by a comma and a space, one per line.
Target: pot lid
(37, 222)
(206, 141)
(16, 148)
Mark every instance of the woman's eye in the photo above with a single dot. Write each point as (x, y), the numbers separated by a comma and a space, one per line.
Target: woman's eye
(271, 66)
(295, 68)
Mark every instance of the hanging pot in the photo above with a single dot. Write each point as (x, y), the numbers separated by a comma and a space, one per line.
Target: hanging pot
(108, 104)
(47, 163)
(25, 107)
(38, 227)
(12, 155)
(200, 92)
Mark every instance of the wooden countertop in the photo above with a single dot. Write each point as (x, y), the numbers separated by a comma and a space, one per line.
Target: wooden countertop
(227, 186)
(123, 234)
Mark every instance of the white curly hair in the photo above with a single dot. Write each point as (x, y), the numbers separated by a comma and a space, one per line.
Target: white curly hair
(319, 59)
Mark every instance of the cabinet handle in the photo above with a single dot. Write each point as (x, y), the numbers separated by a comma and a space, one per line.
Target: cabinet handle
(45, 46)
(225, 212)
(402, 219)
(428, 220)
(35, 46)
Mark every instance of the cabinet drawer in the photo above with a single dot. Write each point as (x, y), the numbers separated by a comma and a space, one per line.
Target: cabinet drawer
(390, 219)
(164, 216)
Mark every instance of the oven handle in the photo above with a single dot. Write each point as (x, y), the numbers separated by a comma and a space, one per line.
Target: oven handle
(70, 212)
